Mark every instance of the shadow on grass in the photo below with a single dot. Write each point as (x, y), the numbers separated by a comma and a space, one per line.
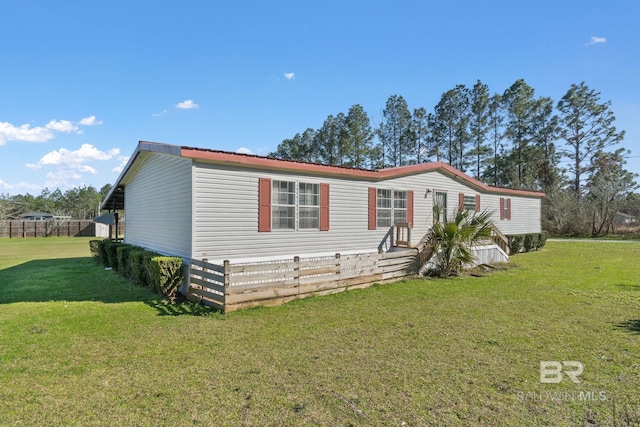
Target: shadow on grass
(626, 287)
(632, 326)
(182, 308)
(81, 279)
(66, 279)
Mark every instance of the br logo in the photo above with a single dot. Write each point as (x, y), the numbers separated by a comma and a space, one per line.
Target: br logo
(551, 371)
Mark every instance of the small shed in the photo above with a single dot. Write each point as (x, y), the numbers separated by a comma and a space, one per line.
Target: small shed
(623, 218)
(37, 216)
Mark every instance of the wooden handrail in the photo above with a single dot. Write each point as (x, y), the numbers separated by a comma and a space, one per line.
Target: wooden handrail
(426, 249)
(403, 235)
(501, 240)
(387, 241)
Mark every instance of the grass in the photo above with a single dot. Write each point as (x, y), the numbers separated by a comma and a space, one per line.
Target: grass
(80, 346)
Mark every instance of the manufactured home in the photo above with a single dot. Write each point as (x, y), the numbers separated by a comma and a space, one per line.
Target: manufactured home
(204, 204)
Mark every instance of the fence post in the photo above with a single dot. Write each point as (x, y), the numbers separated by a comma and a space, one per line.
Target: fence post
(227, 276)
(296, 271)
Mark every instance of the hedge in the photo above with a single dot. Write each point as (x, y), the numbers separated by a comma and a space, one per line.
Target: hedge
(124, 261)
(166, 275)
(94, 247)
(526, 242)
(111, 249)
(162, 274)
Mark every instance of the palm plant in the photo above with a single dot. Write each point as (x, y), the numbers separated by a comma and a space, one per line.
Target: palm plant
(455, 237)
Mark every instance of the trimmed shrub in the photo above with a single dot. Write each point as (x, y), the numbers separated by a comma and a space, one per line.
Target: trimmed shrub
(95, 250)
(515, 243)
(166, 275)
(528, 243)
(543, 238)
(102, 250)
(140, 259)
(111, 249)
(124, 262)
(137, 266)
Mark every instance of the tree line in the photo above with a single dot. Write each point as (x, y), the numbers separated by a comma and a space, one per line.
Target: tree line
(569, 149)
(78, 203)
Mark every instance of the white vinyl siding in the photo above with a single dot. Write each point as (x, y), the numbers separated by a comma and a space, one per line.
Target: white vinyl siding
(158, 205)
(226, 213)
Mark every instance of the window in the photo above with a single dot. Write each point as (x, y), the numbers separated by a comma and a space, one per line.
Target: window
(383, 205)
(309, 205)
(388, 207)
(399, 206)
(469, 203)
(505, 208)
(391, 207)
(283, 205)
(285, 202)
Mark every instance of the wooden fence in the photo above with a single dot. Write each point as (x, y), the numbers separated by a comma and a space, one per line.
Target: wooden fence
(233, 286)
(33, 228)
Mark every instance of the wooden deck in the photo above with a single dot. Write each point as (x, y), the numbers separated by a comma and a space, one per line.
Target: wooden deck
(233, 286)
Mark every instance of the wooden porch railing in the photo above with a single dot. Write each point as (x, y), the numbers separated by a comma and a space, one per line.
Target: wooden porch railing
(403, 234)
(426, 248)
(501, 240)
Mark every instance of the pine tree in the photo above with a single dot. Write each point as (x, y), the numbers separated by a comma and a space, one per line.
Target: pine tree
(587, 129)
(394, 131)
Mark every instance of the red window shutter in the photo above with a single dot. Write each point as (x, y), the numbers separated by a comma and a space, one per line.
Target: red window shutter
(372, 208)
(264, 204)
(477, 203)
(410, 207)
(324, 207)
(501, 208)
(509, 208)
(461, 200)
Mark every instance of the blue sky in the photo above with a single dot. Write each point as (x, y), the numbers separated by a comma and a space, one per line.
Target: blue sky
(81, 82)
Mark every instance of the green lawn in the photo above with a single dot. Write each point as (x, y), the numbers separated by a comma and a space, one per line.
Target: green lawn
(80, 346)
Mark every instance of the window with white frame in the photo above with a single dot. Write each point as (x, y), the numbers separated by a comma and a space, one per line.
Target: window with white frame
(287, 199)
(469, 203)
(391, 207)
(283, 202)
(308, 206)
(399, 206)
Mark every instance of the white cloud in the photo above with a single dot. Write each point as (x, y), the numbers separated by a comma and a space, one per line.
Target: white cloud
(64, 126)
(160, 114)
(74, 159)
(88, 169)
(596, 40)
(187, 104)
(61, 178)
(26, 133)
(123, 163)
(90, 121)
(19, 187)
(244, 150)
(289, 76)
(9, 132)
